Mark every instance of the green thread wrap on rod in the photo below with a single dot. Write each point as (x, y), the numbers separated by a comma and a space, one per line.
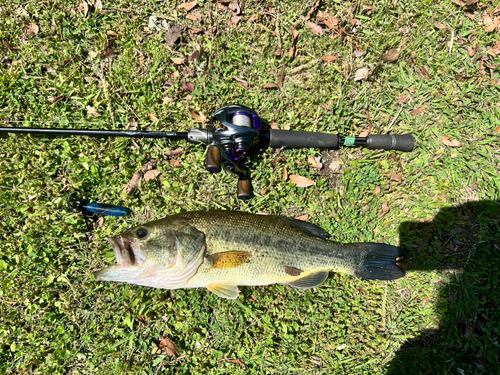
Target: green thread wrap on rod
(349, 141)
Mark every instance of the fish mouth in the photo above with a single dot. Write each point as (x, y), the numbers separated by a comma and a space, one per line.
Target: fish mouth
(127, 253)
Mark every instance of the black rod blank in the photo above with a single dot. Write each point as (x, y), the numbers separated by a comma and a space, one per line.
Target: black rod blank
(94, 133)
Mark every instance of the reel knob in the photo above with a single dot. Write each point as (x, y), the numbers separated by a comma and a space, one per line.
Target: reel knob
(244, 188)
(213, 159)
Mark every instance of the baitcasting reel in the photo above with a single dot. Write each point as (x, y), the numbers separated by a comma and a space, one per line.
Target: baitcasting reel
(233, 130)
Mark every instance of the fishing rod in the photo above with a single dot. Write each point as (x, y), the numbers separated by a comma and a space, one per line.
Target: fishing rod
(233, 131)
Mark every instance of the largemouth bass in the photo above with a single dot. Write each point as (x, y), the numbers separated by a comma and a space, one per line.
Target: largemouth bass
(220, 250)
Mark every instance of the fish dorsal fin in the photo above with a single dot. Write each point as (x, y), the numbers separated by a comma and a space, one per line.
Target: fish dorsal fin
(228, 291)
(310, 281)
(229, 259)
(307, 227)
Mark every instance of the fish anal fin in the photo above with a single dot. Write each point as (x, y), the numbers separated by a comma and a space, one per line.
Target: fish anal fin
(229, 259)
(228, 291)
(310, 281)
(292, 271)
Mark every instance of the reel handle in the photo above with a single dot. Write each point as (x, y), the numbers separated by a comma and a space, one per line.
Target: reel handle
(213, 159)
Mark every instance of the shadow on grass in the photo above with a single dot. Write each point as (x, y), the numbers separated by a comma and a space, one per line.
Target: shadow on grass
(464, 242)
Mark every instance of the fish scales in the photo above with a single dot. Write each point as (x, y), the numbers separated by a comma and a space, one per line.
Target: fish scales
(220, 250)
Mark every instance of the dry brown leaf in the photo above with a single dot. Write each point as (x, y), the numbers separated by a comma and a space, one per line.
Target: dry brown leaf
(187, 6)
(191, 17)
(497, 130)
(440, 26)
(302, 217)
(395, 176)
(315, 6)
(174, 163)
(92, 111)
(173, 33)
(235, 19)
(98, 5)
(188, 87)
(200, 117)
(314, 162)
(403, 99)
(133, 183)
(329, 58)
(495, 50)
(152, 117)
(221, 7)
(471, 51)
(454, 143)
(359, 53)
(32, 29)
(170, 347)
(425, 72)
(391, 56)
(377, 190)
(460, 2)
(361, 74)
(385, 207)
(271, 85)
(285, 174)
(177, 151)
(335, 165)
(237, 361)
(84, 8)
(301, 181)
(253, 18)
(242, 82)
(491, 23)
(234, 7)
(295, 34)
(273, 125)
(281, 77)
(316, 29)
(152, 174)
(177, 60)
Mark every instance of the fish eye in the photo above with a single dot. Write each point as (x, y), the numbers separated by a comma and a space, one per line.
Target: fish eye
(141, 233)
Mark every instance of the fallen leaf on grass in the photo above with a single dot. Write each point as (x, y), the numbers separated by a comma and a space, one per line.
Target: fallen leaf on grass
(471, 51)
(91, 111)
(335, 165)
(174, 163)
(237, 361)
(188, 86)
(221, 7)
(446, 140)
(316, 29)
(253, 18)
(491, 23)
(200, 117)
(133, 183)
(327, 19)
(315, 6)
(234, 7)
(361, 74)
(271, 85)
(396, 177)
(329, 58)
(302, 217)
(242, 82)
(314, 162)
(497, 130)
(377, 190)
(235, 19)
(152, 174)
(285, 174)
(177, 60)
(301, 181)
(391, 56)
(495, 50)
(173, 33)
(385, 208)
(32, 29)
(403, 99)
(281, 77)
(359, 53)
(187, 6)
(170, 347)
(425, 72)
(177, 151)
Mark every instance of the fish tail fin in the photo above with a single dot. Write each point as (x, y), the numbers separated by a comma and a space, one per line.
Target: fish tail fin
(380, 262)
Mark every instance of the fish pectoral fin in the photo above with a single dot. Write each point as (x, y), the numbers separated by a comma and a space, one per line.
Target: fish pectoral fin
(310, 281)
(228, 291)
(229, 259)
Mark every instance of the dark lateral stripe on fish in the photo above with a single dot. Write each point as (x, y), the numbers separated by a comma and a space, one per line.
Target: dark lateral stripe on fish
(229, 259)
(292, 271)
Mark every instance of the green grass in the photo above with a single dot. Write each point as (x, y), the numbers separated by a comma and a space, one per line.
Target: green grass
(442, 318)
